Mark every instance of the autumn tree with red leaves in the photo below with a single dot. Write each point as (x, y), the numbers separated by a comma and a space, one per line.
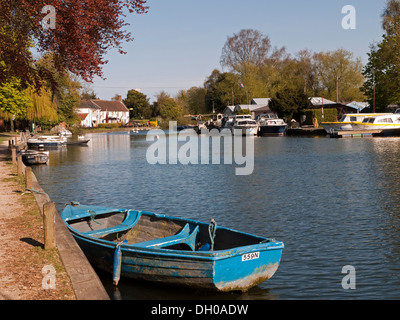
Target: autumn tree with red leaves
(84, 32)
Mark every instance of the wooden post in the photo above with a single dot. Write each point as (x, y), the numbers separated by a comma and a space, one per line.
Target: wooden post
(19, 165)
(14, 155)
(49, 216)
(28, 177)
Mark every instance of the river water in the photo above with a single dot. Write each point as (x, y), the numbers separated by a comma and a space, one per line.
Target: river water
(333, 202)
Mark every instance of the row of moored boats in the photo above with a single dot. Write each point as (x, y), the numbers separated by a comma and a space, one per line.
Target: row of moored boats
(265, 124)
(36, 145)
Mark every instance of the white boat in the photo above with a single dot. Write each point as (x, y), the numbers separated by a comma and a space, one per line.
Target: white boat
(46, 142)
(248, 126)
(345, 123)
(270, 124)
(65, 133)
(389, 122)
(34, 156)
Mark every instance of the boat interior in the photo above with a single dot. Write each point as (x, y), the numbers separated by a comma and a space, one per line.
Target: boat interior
(148, 230)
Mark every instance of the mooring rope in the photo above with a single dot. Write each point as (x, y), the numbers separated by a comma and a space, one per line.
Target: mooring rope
(92, 216)
(36, 191)
(212, 228)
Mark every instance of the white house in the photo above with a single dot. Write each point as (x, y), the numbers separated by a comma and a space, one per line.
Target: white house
(89, 113)
(93, 112)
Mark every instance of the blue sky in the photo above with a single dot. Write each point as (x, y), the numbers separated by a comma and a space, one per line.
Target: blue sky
(178, 43)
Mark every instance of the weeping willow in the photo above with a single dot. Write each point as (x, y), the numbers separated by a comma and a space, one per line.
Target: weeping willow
(42, 107)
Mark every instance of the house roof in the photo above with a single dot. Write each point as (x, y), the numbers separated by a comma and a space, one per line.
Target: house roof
(319, 101)
(261, 101)
(106, 105)
(358, 105)
(251, 107)
(82, 116)
(88, 104)
(263, 109)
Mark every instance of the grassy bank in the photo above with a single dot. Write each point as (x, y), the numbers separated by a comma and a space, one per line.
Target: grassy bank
(25, 255)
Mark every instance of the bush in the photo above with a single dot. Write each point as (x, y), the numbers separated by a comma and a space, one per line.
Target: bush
(330, 115)
(109, 125)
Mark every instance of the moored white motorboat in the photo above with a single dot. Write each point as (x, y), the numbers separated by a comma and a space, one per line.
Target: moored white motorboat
(345, 123)
(387, 123)
(247, 126)
(270, 124)
(46, 142)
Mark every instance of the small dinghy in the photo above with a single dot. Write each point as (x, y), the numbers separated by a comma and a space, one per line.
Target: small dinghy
(176, 251)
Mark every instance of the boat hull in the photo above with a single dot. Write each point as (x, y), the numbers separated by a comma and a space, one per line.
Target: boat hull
(44, 144)
(238, 262)
(206, 271)
(272, 130)
(337, 126)
(245, 130)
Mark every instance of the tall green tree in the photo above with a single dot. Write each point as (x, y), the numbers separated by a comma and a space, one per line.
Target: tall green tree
(170, 110)
(288, 101)
(339, 75)
(138, 105)
(13, 100)
(223, 89)
(382, 71)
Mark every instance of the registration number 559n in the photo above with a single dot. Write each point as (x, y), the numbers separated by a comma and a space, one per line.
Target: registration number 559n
(250, 256)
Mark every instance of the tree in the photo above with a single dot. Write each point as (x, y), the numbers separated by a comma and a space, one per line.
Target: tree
(169, 109)
(382, 71)
(12, 99)
(222, 89)
(85, 31)
(289, 101)
(246, 54)
(138, 105)
(339, 75)
(246, 48)
(64, 87)
(43, 109)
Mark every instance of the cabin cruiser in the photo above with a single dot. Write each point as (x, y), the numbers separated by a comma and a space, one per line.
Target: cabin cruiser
(345, 123)
(46, 142)
(389, 122)
(247, 125)
(270, 124)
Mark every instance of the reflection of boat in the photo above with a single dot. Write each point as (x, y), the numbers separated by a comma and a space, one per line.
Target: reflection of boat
(45, 142)
(345, 123)
(247, 125)
(270, 124)
(34, 157)
(77, 142)
(175, 251)
(388, 123)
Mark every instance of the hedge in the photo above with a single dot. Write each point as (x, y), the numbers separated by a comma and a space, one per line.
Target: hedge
(330, 115)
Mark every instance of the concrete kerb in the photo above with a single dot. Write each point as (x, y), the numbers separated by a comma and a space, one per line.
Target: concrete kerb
(85, 281)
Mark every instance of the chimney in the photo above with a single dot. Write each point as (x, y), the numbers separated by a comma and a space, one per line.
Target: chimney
(119, 98)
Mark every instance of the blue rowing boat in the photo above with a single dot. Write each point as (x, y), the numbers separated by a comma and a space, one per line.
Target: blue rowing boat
(169, 250)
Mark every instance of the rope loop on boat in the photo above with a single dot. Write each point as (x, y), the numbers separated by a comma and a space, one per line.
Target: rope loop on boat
(212, 228)
(92, 216)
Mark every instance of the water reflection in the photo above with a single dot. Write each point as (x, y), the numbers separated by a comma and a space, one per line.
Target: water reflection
(333, 202)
